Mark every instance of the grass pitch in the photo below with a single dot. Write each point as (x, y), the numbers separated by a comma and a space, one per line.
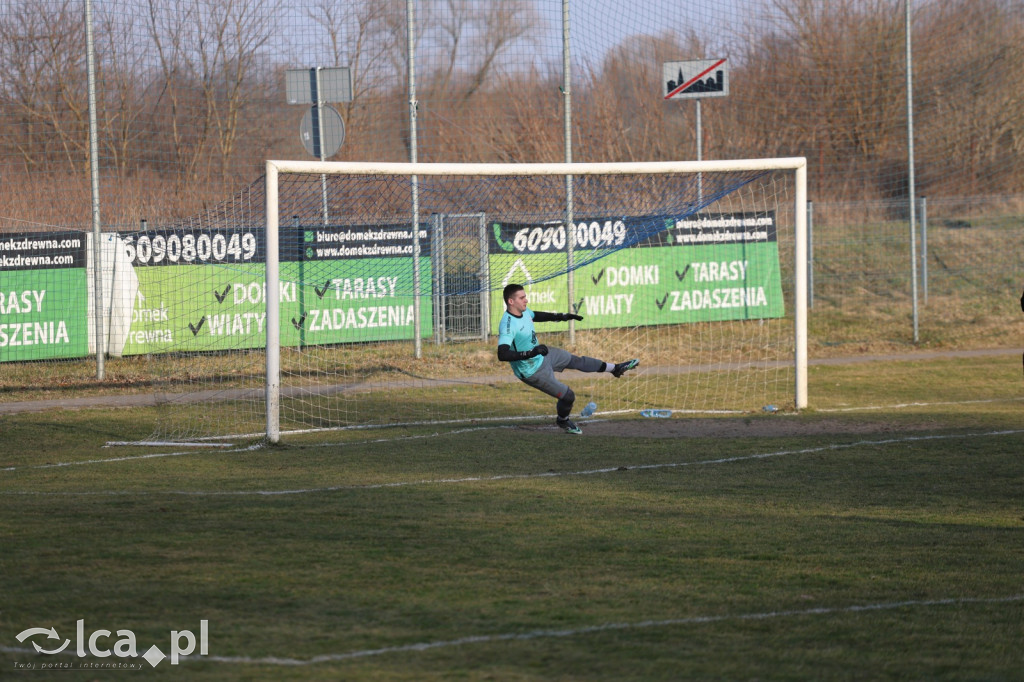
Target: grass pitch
(854, 541)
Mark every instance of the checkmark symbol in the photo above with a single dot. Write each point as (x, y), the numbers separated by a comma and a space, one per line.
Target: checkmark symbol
(302, 321)
(597, 279)
(196, 327)
(661, 303)
(576, 306)
(220, 296)
(681, 275)
(320, 292)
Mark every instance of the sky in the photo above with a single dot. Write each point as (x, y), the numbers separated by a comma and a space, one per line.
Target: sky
(598, 25)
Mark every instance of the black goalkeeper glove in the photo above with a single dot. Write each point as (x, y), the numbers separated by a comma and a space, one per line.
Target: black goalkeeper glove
(542, 316)
(539, 349)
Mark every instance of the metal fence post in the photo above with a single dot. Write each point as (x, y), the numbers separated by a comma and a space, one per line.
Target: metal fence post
(485, 280)
(297, 233)
(910, 163)
(570, 220)
(810, 254)
(437, 257)
(94, 182)
(924, 249)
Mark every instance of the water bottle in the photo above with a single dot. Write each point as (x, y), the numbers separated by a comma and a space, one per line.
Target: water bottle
(590, 409)
(664, 414)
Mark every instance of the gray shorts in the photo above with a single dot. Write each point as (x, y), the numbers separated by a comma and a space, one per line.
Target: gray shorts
(556, 360)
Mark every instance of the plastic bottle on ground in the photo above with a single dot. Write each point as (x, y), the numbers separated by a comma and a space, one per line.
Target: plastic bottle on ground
(656, 413)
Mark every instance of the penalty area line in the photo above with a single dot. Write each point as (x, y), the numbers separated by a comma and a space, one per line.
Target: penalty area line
(604, 627)
(128, 458)
(165, 444)
(250, 448)
(505, 477)
(899, 406)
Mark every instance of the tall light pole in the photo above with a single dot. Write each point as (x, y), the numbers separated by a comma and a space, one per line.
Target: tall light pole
(911, 188)
(94, 178)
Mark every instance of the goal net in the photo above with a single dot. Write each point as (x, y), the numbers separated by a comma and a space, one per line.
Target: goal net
(353, 295)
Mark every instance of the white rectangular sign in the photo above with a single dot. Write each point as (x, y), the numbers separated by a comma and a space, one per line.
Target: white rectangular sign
(695, 79)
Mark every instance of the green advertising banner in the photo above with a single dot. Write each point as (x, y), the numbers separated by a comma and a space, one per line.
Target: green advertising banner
(197, 308)
(357, 300)
(43, 296)
(709, 268)
(327, 294)
(204, 290)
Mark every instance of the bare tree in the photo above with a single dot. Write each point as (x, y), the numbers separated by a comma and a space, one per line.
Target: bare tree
(352, 30)
(122, 84)
(472, 36)
(971, 121)
(188, 130)
(626, 118)
(42, 54)
(209, 53)
(229, 50)
(854, 48)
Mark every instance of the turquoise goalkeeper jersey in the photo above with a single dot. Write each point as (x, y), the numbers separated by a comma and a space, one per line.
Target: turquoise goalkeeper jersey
(518, 334)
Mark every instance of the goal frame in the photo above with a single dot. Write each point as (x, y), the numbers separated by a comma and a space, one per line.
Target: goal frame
(413, 170)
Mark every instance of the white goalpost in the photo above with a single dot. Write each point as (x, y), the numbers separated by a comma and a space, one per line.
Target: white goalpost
(382, 316)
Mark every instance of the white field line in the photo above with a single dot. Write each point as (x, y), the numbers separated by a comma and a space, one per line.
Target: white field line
(152, 455)
(605, 627)
(57, 465)
(250, 448)
(588, 630)
(898, 406)
(166, 443)
(503, 423)
(504, 420)
(510, 477)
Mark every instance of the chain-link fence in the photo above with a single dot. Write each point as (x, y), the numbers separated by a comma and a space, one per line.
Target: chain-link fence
(191, 97)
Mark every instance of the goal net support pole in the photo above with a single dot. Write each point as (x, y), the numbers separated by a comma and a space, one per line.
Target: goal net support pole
(273, 303)
(800, 283)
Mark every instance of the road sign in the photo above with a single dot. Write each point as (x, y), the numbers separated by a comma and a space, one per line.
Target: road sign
(335, 85)
(333, 128)
(695, 79)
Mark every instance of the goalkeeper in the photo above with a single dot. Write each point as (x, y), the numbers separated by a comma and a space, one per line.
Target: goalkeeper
(535, 364)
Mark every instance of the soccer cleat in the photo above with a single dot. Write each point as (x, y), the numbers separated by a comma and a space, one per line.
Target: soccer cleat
(569, 426)
(624, 367)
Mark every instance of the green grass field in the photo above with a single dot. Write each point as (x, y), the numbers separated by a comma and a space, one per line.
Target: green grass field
(879, 535)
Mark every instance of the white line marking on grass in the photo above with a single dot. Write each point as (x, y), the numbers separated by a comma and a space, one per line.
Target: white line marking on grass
(593, 629)
(872, 408)
(499, 477)
(257, 446)
(129, 458)
(573, 632)
(395, 439)
(165, 443)
(607, 627)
